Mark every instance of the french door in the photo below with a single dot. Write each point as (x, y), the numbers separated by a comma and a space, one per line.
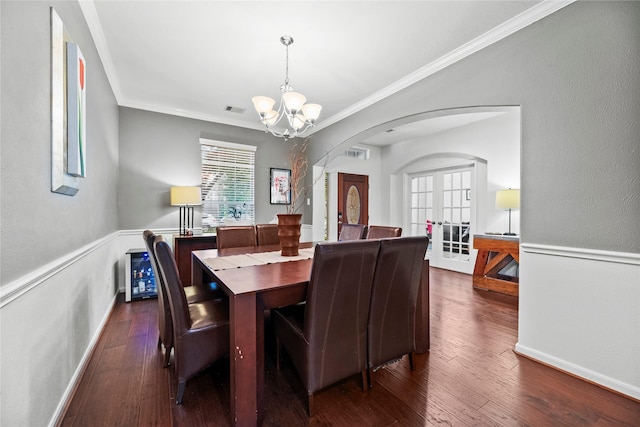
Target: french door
(442, 206)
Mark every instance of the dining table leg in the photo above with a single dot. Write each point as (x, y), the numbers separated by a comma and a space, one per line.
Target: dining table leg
(246, 318)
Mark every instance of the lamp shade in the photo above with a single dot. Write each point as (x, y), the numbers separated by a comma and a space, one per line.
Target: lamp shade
(311, 111)
(294, 101)
(508, 199)
(263, 104)
(181, 196)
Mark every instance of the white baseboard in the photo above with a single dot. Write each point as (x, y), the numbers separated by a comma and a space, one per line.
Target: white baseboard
(77, 376)
(579, 311)
(579, 371)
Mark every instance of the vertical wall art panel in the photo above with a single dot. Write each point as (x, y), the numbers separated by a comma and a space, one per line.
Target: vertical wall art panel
(76, 111)
(61, 181)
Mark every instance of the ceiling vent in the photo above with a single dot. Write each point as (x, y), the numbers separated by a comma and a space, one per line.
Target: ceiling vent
(357, 153)
(235, 109)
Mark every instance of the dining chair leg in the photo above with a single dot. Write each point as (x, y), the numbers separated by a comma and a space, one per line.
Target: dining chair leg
(369, 376)
(365, 379)
(167, 355)
(413, 367)
(277, 354)
(181, 387)
(310, 405)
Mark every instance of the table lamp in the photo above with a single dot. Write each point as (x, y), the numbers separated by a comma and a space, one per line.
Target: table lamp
(186, 198)
(508, 200)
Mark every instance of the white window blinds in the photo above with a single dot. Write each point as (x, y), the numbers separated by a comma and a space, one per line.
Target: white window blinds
(228, 178)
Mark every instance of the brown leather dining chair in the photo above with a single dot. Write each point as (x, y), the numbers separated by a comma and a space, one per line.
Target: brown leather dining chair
(200, 330)
(193, 294)
(326, 337)
(352, 232)
(235, 236)
(267, 234)
(394, 297)
(381, 232)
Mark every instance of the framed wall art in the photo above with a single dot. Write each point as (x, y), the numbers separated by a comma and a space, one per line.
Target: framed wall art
(280, 186)
(68, 111)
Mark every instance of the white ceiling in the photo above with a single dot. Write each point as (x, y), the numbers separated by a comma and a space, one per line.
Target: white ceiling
(195, 58)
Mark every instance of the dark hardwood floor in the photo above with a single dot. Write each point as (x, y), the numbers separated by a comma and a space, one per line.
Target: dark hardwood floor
(470, 377)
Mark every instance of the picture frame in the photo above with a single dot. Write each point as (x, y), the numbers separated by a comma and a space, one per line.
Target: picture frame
(280, 186)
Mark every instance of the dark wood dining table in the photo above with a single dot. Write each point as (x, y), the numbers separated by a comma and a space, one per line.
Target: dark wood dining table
(253, 289)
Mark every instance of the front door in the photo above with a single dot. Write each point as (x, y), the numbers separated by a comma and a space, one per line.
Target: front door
(353, 199)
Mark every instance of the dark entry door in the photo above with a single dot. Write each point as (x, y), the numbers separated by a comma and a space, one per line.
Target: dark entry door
(353, 199)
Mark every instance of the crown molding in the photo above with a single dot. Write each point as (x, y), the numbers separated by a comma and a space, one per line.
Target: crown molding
(90, 13)
(526, 18)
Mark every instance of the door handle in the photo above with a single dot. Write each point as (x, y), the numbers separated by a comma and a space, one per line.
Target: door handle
(439, 222)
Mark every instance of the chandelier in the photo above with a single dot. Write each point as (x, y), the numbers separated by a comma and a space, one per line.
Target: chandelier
(300, 116)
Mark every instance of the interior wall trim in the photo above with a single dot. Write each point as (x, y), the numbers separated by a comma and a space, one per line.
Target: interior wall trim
(65, 399)
(526, 18)
(589, 254)
(579, 371)
(138, 232)
(14, 290)
(523, 20)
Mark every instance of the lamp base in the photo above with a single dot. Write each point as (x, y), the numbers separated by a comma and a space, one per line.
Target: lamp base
(186, 220)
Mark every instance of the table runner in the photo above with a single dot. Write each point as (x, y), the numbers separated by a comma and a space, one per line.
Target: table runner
(260, 258)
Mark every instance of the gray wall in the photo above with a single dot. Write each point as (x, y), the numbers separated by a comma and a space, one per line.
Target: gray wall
(575, 74)
(158, 151)
(57, 253)
(38, 226)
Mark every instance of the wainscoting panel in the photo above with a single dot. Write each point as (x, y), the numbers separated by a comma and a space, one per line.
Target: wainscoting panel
(580, 312)
(51, 319)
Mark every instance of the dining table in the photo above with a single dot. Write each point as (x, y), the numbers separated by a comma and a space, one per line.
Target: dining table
(273, 281)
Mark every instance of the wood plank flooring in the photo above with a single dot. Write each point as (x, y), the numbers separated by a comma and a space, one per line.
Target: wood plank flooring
(470, 377)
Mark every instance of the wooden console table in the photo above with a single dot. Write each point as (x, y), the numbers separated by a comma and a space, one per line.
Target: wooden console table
(182, 248)
(495, 252)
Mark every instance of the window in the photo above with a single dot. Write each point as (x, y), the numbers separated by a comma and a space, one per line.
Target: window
(228, 177)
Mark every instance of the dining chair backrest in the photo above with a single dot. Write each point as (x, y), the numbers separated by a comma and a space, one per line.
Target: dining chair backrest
(165, 324)
(394, 297)
(382, 231)
(267, 234)
(336, 313)
(200, 329)
(171, 279)
(352, 232)
(235, 236)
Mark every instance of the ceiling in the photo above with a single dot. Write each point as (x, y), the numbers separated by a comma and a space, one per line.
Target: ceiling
(197, 58)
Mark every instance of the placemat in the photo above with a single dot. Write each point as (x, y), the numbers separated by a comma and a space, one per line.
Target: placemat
(260, 258)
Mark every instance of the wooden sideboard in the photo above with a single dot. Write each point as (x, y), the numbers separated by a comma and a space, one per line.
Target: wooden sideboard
(495, 253)
(182, 248)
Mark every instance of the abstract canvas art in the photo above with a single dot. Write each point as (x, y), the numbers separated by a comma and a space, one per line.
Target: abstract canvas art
(68, 111)
(76, 111)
